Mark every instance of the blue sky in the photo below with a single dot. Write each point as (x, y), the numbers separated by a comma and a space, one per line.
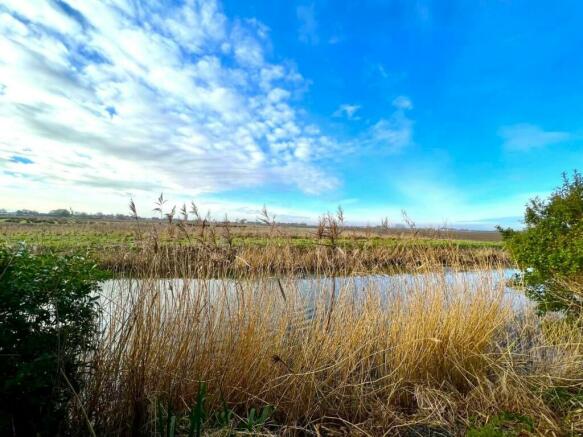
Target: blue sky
(457, 112)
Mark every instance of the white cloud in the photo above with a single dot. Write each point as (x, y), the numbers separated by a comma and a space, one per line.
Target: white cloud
(308, 30)
(310, 179)
(124, 96)
(403, 102)
(346, 110)
(394, 133)
(382, 71)
(523, 137)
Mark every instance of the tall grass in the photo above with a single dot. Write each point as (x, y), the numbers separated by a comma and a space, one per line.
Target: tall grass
(431, 351)
(220, 247)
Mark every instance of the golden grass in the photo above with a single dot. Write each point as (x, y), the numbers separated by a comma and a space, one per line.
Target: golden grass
(285, 259)
(373, 361)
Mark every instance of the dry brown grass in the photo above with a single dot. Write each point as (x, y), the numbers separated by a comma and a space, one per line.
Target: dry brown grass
(431, 352)
(285, 259)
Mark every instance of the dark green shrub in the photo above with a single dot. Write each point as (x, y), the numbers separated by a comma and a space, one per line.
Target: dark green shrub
(48, 322)
(550, 249)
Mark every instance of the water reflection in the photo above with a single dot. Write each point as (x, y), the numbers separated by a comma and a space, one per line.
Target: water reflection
(313, 288)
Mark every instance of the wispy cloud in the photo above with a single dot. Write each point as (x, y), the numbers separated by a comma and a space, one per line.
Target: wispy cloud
(144, 96)
(382, 71)
(308, 28)
(394, 133)
(524, 137)
(403, 102)
(346, 110)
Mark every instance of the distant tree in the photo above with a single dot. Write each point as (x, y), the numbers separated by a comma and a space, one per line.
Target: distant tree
(549, 250)
(3, 211)
(60, 213)
(26, 212)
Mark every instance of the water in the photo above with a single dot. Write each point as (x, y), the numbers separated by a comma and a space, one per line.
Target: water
(313, 288)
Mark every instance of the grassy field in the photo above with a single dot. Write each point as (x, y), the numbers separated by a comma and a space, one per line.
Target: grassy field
(63, 234)
(120, 245)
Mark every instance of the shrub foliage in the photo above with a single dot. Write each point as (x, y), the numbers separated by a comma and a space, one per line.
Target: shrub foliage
(48, 315)
(550, 249)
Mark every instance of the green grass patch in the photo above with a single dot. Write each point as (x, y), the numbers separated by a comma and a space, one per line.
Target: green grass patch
(95, 240)
(504, 425)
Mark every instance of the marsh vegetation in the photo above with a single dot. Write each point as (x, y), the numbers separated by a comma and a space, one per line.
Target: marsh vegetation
(205, 329)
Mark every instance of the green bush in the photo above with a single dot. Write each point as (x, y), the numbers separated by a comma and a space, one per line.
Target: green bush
(550, 249)
(48, 322)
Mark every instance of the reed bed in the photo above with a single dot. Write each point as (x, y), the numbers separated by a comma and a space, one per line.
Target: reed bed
(432, 352)
(286, 259)
(223, 248)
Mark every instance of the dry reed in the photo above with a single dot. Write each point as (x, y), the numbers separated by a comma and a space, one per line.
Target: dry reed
(434, 349)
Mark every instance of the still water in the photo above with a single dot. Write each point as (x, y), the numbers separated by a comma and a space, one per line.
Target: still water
(313, 288)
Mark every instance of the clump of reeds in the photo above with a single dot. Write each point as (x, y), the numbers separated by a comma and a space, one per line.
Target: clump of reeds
(429, 351)
(196, 245)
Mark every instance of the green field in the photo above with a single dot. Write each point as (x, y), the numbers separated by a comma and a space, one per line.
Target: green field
(69, 236)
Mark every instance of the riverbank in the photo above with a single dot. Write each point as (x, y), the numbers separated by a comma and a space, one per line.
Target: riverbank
(219, 250)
